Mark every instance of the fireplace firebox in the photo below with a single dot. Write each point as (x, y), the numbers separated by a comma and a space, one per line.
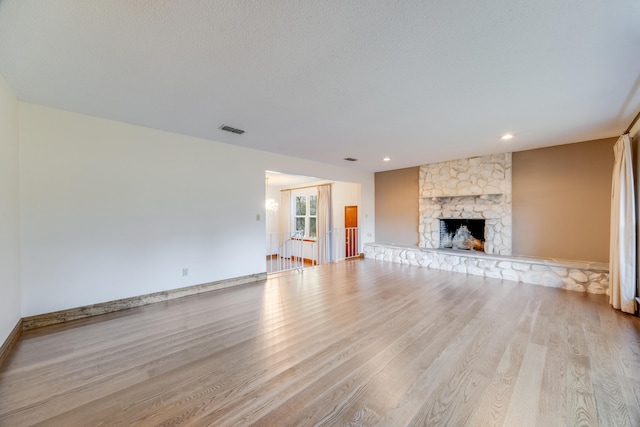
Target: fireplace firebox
(465, 234)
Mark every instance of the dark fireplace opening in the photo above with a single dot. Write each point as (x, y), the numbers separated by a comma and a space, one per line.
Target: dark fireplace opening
(466, 234)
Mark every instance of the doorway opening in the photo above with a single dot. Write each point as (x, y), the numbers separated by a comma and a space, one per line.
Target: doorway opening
(304, 218)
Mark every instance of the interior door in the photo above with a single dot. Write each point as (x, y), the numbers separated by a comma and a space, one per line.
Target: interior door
(351, 231)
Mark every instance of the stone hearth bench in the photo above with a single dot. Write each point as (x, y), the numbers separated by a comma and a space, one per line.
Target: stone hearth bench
(581, 276)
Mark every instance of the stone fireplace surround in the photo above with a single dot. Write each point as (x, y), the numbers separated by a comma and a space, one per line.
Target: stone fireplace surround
(476, 188)
(480, 188)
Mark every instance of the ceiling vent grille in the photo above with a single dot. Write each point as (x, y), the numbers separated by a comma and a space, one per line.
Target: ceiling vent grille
(233, 130)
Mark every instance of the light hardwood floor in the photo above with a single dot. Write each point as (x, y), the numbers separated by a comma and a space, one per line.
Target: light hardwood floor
(354, 343)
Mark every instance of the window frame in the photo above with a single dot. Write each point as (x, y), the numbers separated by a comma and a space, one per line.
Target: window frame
(307, 193)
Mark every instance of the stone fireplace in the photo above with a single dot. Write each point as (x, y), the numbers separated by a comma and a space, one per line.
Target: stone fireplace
(478, 188)
(464, 193)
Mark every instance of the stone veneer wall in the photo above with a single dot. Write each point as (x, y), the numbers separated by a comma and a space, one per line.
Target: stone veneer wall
(474, 188)
(578, 276)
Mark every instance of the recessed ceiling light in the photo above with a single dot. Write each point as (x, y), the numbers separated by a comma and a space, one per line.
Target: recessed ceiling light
(506, 136)
(386, 159)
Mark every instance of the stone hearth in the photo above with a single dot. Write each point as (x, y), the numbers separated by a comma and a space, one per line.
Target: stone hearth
(581, 276)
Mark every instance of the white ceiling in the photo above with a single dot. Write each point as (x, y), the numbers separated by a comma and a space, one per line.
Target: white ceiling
(416, 80)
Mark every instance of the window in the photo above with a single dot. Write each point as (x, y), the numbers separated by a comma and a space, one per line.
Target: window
(305, 214)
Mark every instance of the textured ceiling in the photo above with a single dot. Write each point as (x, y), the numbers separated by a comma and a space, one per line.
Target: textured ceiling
(419, 81)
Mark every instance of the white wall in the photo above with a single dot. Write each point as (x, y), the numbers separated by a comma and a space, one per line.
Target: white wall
(111, 210)
(345, 194)
(272, 221)
(272, 218)
(9, 213)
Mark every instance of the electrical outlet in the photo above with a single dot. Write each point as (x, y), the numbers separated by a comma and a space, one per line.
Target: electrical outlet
(185, 271)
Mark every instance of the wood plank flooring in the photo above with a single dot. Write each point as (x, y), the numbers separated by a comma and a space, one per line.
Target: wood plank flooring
(354, 343)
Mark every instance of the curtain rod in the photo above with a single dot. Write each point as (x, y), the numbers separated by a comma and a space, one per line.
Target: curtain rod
(633, 122)
(308, 186)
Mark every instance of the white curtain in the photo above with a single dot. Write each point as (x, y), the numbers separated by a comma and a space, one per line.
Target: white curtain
(622, 252)
(285, 215)
(324, 224)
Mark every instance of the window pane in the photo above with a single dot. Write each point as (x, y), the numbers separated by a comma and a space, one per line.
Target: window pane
(301, 205)
(312, 228)
(300, 224)
(312, 205)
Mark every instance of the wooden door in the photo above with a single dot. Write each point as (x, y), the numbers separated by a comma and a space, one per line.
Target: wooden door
(351, 231)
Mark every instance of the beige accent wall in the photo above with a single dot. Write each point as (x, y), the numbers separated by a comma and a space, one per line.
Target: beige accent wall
(397, 206)
(561, 201)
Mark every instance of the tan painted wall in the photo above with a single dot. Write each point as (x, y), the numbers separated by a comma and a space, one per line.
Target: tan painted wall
(397, 206)
(561, 201)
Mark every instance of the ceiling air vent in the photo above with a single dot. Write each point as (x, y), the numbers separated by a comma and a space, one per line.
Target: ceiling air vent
(230, 129)
(350, 159)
